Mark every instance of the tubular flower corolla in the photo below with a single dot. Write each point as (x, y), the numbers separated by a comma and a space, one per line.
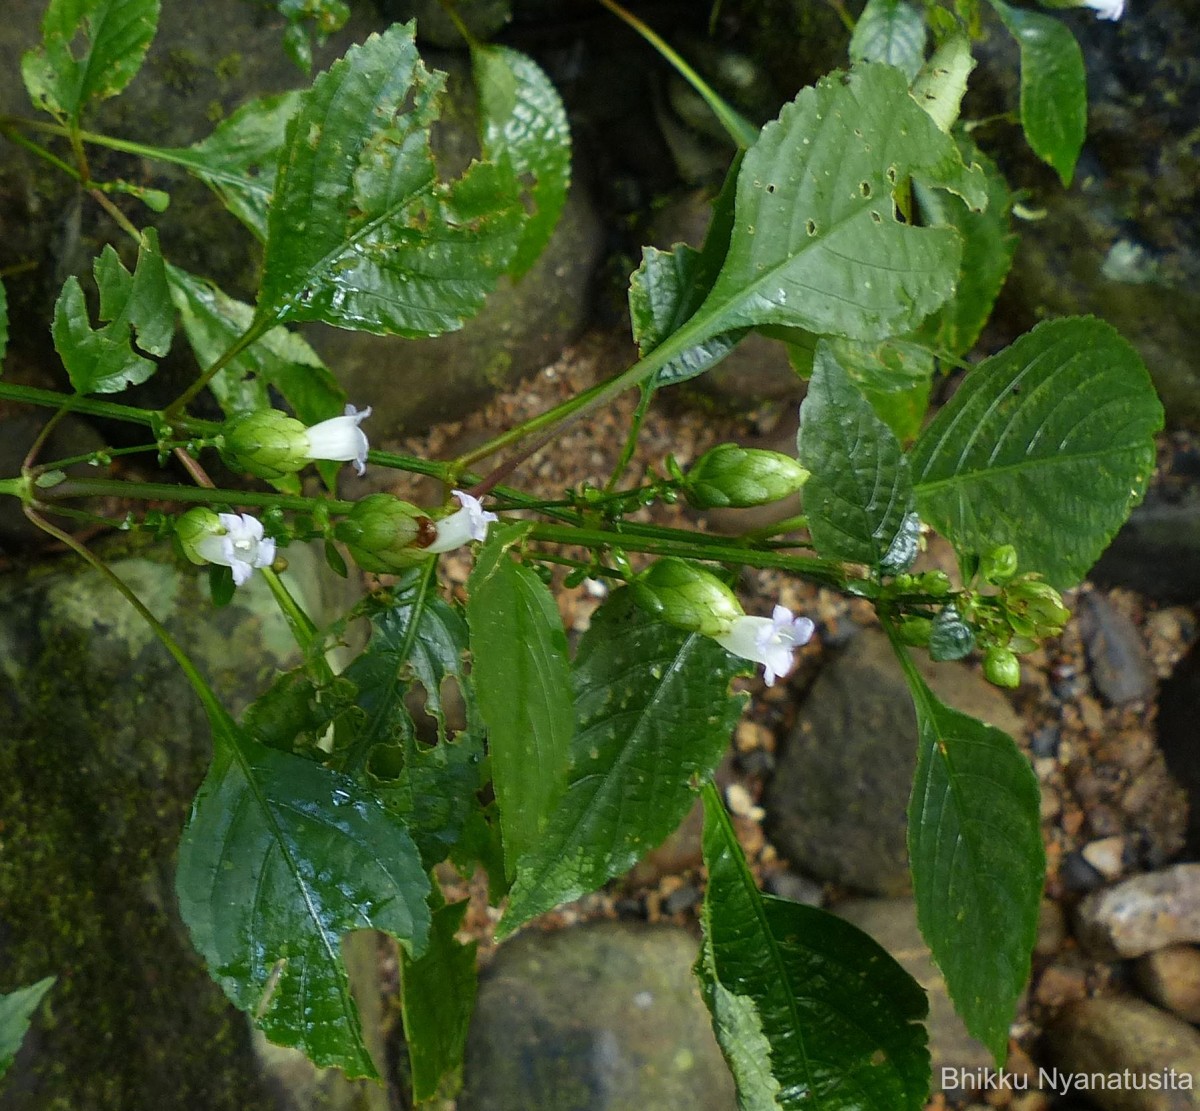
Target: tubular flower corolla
(770, 641)
(467, 524)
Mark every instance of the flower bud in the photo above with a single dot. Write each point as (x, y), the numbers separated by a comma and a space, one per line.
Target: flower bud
(687, 597)
(1002, 667)
(1035, 609)
(385, 534)
(737, 477)
(915, 631)
(999, 565)
(265, 443)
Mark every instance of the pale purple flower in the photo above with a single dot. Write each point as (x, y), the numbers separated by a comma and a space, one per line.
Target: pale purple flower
(469, 523)
(239, 545)
(340, 439)
(1106, 9)
(769, 641)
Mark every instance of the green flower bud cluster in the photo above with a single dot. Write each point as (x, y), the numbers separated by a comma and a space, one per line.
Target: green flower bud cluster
(386, 535)
(265, 443)
(687, 597)
(729, 476)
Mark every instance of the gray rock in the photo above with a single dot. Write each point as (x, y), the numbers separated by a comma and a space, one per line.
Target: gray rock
(836, 804)
(104, 746)
(1171, 978)
(606, 1017)
(1177, 702)
(1119, 665)
(893, 923)
(1114, 1034)
(1157, 552)
(1147, 912)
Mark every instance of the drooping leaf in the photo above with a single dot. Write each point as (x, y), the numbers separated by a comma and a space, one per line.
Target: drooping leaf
(653, 710)
(360, 232)
(988, 248)
(90, 50)
(895, 376)
(816, 243)
(975, 846)
(890, 31)
(522, 680)
(942, 82)
(808, 1010)
(1046, 446)
(309, 19)
(16, 1011)
(280, 360)
(279, 858)
(237, 161)
(860, 491)
(437, 999)
(103, 360)
(525, 124)
(3, 321)
(670, 286)
(1053, 86)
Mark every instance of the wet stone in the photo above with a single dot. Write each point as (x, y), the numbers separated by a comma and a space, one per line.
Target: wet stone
(604, 1017)
(1170, 977)
(1147, 912)
(1110, 1035)
(836, 806)
(1119, 665)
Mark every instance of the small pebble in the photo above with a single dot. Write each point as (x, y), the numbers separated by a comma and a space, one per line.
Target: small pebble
(683, 898)
(1079, 875)
(741, 804)
(1051, 928)
(1144, 913)
(794, 887)
(1171, 978)
(1107, 856)
(1061, 984)
(1044, 742)
(1119, 665)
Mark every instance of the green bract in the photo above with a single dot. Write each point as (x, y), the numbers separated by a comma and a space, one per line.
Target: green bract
(682, 595)
(266, 443)
(729, 475)
(386, 535)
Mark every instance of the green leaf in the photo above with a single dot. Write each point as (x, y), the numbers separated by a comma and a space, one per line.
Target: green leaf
(16, 1011)
(279, 859)
(895, 376)
(91, 49)
(360, 232)
(659, 294)
(102, 360)
(237, 161)
(809, 1011)
(1053, 86)
(437, 999)
(522, 679)
(326, 17)
(988, 248)
(816, 243)
(524, 122)
(280, 360)
(653, 711)
(942, 82)
(3, 321)
(975, 845)
(860, 491)
(890, 31)
(1046, 446)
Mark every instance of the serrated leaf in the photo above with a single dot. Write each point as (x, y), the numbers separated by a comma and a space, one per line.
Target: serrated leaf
(360, 232)
(280, 360)
(975, 847)
(653, 710)
(816, 242)
(16, 1011)
(859, 492)
(895, 376)
(237, 161)
(143, 299)
(890, 31)
(91, 49)
(3, 321)
(1053, 86)
(279, 858)
(525, 124)
(988, 248)
(839, 1020)
(1046, 446)
(659, 292)
(669, 286)
(522, 679)
(437, 1000)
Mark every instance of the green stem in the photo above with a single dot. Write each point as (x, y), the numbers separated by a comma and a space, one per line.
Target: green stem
(635, 428)
(40, 151)
(94, 457)
(257, 329)
(825, 571)
(108, 410)
(167, 491)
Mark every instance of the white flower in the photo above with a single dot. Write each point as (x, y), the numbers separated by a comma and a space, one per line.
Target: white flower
(340, 439)
(238, 544)
(1106, 9)
(769, 641)
(469, 523)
